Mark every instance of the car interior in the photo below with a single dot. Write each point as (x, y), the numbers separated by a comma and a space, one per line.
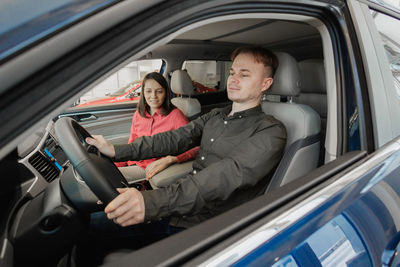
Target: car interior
(298, 96)
(304, 84)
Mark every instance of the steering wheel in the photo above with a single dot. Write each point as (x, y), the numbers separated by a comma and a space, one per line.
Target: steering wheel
(97, 170)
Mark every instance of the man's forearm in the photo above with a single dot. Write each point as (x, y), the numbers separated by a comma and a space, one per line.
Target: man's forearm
(163, 144)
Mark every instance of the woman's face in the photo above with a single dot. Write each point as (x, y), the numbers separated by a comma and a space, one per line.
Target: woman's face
(154, 94)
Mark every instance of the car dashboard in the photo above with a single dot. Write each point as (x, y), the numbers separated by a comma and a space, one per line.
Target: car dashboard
(42, 155)
(40, 213)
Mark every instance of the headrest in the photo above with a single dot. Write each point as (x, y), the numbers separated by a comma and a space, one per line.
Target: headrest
(287, 77)
(312, 76)
(181, 83)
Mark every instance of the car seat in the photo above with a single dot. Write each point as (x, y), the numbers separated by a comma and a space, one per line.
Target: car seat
(313, 93)
(181, 84)
(301, 121)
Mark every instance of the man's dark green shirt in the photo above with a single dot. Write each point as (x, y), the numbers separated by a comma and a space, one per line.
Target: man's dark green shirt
(235, 161)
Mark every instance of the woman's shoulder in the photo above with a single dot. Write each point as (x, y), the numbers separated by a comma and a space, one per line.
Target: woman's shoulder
(177, 115)
(137, 117)
(176, 112)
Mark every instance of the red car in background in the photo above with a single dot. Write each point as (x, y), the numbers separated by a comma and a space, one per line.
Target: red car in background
(130, 92)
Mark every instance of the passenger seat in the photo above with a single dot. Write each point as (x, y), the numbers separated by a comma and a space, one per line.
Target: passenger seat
(181, 84)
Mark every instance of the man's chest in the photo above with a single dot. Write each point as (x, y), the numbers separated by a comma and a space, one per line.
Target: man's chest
(222, 136)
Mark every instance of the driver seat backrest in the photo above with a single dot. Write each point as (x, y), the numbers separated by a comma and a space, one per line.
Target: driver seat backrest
(313, 93)
(181, 84)
(301, 121)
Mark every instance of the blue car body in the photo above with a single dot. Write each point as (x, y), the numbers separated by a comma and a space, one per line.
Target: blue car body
(344, 213)
(363, 214)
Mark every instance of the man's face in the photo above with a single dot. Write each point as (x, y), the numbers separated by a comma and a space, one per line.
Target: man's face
(247, 80)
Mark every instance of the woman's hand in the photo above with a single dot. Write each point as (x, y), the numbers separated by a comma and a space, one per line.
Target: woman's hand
(102, 145)
(127, 208)
(159, 165)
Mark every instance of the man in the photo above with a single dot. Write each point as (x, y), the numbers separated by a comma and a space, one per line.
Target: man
(239, 148)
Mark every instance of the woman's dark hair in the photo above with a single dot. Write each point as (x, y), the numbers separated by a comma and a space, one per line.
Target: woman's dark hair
(167, 106)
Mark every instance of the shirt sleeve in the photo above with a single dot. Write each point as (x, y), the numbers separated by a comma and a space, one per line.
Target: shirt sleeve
(245, 167)
(133, 136)
(180, 120)
(163, 144)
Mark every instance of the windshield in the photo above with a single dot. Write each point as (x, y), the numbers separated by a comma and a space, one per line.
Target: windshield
(23, 22)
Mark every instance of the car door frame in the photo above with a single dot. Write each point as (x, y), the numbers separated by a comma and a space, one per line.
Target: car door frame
(88, 58)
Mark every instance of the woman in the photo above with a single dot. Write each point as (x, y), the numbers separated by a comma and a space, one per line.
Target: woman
(155, 114)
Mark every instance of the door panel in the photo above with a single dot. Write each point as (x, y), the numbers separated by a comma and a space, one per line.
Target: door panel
(239, 228)
(366, 202)
(113, 123)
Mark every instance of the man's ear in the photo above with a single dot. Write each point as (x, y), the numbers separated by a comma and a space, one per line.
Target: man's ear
(267, 84)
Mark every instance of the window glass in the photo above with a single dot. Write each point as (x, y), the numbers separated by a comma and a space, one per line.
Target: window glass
(335, 244)
(23, 22)
(388, 28)
(122, 86)
(208, 75)
(287, 261)
(391, 4)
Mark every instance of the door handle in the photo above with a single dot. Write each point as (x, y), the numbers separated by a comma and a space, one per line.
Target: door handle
(87, 117)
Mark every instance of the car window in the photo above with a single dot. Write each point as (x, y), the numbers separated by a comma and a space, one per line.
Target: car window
(391, 4)
(337, 243)
(208, 75)
(121, 87)
(24, 22)
(388, 28)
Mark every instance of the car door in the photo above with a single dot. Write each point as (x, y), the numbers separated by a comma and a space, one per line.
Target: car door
(350, 222)
(344, 213)
(353, 221)
(323, 197)
(114, 123)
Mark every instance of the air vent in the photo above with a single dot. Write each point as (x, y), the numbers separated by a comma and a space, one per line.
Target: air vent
(44, 166)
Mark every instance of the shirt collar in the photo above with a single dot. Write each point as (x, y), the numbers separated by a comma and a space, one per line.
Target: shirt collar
(158, 113)
(244, 113)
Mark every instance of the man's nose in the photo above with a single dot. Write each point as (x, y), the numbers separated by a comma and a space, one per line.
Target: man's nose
(234, 78)
(153, 94)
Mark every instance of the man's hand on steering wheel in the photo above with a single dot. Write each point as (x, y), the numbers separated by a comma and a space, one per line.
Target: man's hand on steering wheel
(96, 170)
(102, 145)
(127, 208)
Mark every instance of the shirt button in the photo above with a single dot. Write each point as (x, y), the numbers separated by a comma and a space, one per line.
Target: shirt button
(225, 122)
(194, 172)
(240, 116)
(212, 139)
(202, 158)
